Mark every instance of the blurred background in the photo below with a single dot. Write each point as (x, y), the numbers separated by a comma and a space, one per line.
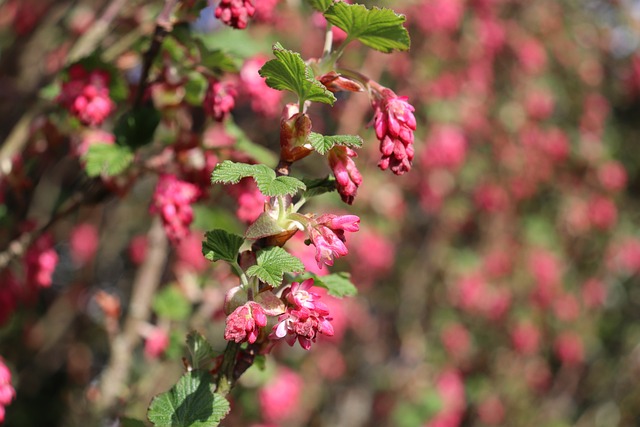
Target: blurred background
(498, 279)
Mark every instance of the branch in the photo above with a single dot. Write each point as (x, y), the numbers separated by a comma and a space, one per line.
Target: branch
(147, 279)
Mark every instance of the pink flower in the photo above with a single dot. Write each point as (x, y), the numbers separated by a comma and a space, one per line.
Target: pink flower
(41, 260)
(245, 322)
(250, 200)
(327, 235)
(84, 242)
(172, 200)
(394, 124)
(446, 147)
(440, 15)
(235, 13)
(302, 325)
(156, 343)
(525, 338)
(264, 100)
(280, 398)
(86, 95)
(220, 99)
(569, 348)
(456, 340)
(7, 392)
(264, 10)
(347, 175)
(299, 296)
(612, 176)
(603, 213)
(189, 253)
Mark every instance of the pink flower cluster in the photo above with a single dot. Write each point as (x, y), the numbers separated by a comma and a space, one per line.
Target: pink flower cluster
(327, 235)
(7, 392)
(86, 95)
(348, 177)
(41, 260)
(264, 100)
(235, 13)
(305, 316)
(394, 124)
(220, 99)
(172, 200)
(244, 323)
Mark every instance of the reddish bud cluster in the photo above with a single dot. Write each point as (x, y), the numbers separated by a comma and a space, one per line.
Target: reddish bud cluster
(220, 99)
(172, 200)
(86, 95)
(235, 13)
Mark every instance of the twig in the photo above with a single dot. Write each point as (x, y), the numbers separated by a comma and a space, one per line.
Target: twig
(164, 25)
(145, 284)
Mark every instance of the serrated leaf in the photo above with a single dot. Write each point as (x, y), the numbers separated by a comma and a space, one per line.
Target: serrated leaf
(136, 128)
(339, 285)
(171, 303)
(323, 143)
(289, 72)
(190, 403)
(380, 29)
(107, 159)
(272, 263)
(316, 187)
(221, 245)
(320, 5)
(229, 172)
(201, 353)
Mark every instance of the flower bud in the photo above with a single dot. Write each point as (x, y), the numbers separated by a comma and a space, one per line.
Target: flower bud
(295, 128)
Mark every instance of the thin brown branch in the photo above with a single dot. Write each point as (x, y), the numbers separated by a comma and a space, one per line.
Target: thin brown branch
(116, 375)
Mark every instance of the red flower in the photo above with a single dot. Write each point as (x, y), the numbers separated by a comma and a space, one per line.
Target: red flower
(235, 13)
(244, 323)
(347, 175)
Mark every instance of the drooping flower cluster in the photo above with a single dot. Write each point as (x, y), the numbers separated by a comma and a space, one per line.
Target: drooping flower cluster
(220, 99)
(327, 235)
(235, 13)
(7, 392)
(305, 316)
(172, 200)
(394, 124)
(86, 95)
(244, 323)
(348, 177)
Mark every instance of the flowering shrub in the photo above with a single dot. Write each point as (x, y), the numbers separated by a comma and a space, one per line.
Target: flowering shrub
(172, 247)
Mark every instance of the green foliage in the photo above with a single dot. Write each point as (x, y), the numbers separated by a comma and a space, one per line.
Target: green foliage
(130, 422)
(262, 227)
(200, 351)
(221, 245)
(107, 159)
(170, 303)
(216, 59)
(339, 285)
(320, 5)
(190, 403)
(136, 127)
(229, 172)
(316, 187)
(380, 29)
(323, 143)
(272, 263)
(289, 72)
(195, 88)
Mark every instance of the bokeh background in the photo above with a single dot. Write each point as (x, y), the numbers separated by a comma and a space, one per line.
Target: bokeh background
(498, 280)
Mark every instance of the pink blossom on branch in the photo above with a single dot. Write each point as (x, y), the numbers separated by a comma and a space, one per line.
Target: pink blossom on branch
(235, 13)
(220, 99)
(86, 95)
(327, 235)
(244, 323)
(7, 392)
(348, 177)
(394, 124)
(172, 200)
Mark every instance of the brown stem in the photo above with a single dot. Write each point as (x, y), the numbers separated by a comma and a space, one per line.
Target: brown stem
(164, 25)
(146, 282)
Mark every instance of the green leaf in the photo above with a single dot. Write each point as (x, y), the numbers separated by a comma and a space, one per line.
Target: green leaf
(272, 263)
(131, 422)
(320, 5)
(221, 245)
(229, 172)
(323, 143)
(380, 29)
(135, 128)
(195, 88)
(289, 72)
(264, 226)
(171, 303)
(339, 285)
(201, 353)
(316, 187)
(216, 59)
(190, 403)
(107, 159)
